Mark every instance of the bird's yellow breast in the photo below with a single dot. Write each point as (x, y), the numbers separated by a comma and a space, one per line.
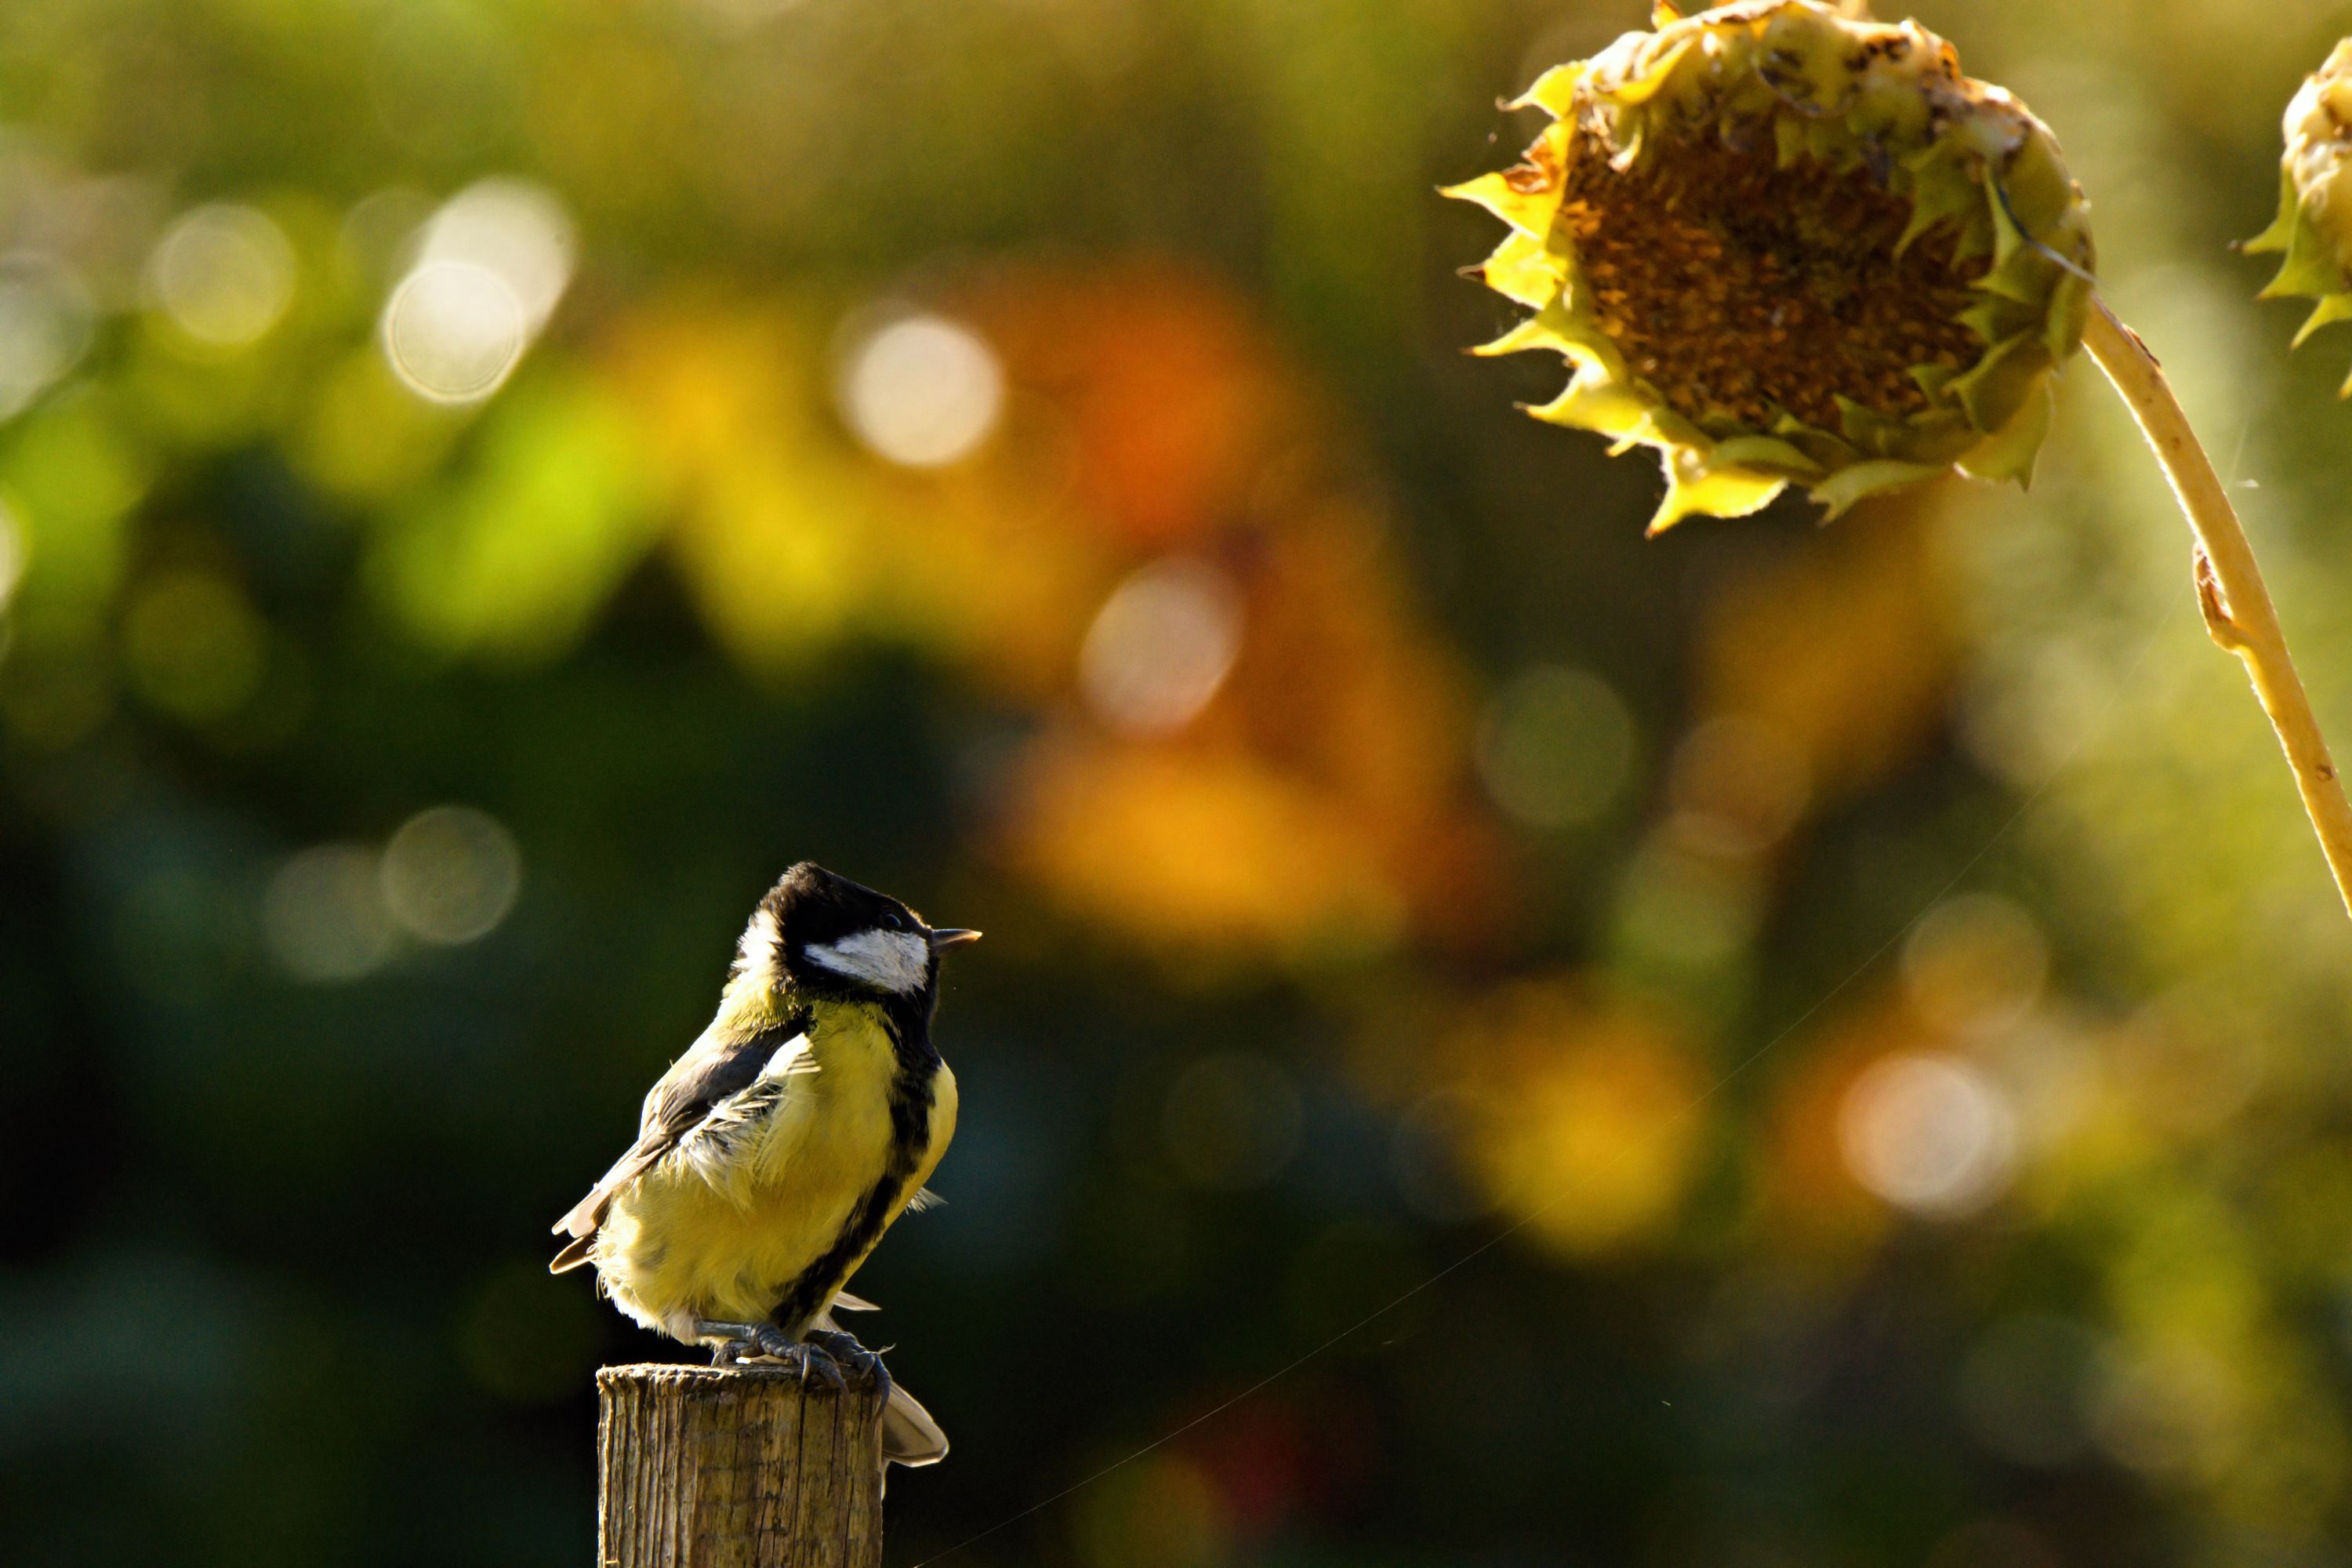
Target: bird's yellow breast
(725, 1223)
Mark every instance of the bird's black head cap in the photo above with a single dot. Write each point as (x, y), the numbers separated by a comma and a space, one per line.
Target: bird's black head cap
(826, 935)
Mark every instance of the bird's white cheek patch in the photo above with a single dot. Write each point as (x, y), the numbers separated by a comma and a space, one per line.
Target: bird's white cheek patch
(894, 960)
(756, 954)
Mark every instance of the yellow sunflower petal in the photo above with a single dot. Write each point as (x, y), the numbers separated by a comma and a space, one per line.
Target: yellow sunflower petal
(1717, 492)
(2009, 453)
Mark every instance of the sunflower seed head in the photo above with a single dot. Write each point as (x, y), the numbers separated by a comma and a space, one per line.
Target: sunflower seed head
(1784, 245)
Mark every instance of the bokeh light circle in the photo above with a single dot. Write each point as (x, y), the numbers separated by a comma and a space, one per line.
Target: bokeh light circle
(1555, 747)
(222, 274)
(45, 327)
(451, 873)
(1161, 646)
(453, 330)
(923, 391)
(1930, 1133)
(1739, 786)
(1975, 961)
(322, 918)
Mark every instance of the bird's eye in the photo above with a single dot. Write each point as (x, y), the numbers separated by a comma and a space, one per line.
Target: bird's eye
(891, 923)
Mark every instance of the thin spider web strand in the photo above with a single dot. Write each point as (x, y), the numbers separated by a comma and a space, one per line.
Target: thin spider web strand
(2057, 771)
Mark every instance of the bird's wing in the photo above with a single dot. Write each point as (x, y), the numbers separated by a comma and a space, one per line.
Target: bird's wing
(700, 1082)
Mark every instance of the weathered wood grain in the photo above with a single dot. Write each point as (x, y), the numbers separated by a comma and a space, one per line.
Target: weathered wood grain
(741, 1468)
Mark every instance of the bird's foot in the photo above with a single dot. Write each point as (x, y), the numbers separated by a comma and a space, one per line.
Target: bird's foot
(810, 1361)
(862, 1365)
(732, 1344)
(741, 1344)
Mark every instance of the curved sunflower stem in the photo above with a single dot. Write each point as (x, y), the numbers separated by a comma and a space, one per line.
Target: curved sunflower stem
(2230, 590)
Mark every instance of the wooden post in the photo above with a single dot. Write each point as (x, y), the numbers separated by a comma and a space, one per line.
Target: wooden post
(737, 1468)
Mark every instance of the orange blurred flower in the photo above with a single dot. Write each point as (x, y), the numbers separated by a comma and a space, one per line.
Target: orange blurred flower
(1251, 744)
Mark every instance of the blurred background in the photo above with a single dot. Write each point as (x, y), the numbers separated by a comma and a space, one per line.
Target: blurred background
(483, 486)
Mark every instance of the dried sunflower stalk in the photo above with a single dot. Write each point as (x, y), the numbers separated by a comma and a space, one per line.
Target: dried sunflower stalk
(1785, 246)
(2314, 228)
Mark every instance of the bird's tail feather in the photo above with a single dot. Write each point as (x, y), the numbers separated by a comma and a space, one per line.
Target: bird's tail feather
(574, 1253)
(910, 1435)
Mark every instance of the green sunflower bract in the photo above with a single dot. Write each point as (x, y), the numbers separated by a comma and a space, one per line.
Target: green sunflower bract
(2315, 222)
(1783, 246)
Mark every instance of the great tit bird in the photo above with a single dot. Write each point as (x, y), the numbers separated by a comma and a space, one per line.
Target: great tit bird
(773, 1154)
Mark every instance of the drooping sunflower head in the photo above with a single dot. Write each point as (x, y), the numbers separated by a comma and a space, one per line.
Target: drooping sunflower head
(1783, 246)
(2313, 227)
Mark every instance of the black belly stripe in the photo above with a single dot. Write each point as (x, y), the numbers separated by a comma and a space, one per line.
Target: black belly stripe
(910, 1138)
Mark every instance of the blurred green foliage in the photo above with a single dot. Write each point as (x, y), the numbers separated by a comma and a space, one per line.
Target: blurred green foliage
(487, 485)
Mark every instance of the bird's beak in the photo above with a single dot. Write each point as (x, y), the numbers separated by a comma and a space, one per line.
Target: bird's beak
(946, 937)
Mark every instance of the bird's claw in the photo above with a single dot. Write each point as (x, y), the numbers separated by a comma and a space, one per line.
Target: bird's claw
(810, 1361)
(749, 1342)
(862, 1364)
